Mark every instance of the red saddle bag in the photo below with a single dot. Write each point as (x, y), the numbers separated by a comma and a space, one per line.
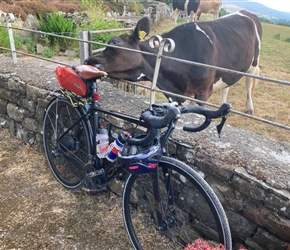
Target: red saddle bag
(70, 80)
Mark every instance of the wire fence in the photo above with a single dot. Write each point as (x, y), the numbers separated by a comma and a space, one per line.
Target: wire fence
(157, 55)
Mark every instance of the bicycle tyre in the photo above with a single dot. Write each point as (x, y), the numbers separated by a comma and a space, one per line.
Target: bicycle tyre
(195, 213)
(66, 156)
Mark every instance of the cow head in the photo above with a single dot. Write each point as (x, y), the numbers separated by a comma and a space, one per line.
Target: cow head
(120, 63)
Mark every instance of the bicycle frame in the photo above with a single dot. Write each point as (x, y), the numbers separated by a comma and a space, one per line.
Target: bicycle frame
(90, 114)
(94, 174)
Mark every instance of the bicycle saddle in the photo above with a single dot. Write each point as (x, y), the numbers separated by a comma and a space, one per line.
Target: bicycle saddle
(89, 72)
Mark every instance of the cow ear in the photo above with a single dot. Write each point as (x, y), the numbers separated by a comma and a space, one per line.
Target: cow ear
(142, 29)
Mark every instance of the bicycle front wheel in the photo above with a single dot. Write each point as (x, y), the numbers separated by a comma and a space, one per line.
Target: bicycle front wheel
(66, 142)
(171, 208)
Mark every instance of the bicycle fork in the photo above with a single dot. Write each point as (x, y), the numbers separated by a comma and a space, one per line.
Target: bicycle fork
(165, 215)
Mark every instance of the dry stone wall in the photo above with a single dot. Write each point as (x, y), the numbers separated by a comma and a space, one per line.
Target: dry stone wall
(249, 173)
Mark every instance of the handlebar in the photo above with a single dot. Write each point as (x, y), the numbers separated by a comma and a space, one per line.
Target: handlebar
(209, 114)
(161, 115)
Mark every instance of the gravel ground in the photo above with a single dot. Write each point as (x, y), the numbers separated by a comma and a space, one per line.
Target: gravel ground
(36, 212)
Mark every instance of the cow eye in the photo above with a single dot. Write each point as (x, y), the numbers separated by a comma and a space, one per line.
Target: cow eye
(114, 41)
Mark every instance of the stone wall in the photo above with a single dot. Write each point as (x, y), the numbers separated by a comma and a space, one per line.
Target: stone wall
(249, 173)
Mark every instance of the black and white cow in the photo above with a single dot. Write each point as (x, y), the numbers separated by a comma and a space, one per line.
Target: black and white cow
(231, 42)
(188, 6)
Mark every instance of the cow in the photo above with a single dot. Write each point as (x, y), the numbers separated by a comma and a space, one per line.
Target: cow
(207, 6)
(188, 6)
(231, 42)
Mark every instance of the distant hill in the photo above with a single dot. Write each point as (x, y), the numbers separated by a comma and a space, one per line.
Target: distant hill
(258, 9)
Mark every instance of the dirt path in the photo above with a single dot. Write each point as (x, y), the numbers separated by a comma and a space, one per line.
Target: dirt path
(36, 212)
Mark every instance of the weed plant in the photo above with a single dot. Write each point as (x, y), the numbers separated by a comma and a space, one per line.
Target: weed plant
(104, 37)
(97, 21)
(5, 42)
(57, 24)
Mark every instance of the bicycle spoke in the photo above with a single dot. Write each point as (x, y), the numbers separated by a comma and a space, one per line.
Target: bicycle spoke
(66, 143)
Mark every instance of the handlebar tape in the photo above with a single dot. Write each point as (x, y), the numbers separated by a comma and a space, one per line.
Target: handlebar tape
(160, 122)
(208, 113)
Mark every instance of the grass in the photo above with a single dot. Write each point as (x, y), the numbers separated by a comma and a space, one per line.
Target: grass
(271, 100)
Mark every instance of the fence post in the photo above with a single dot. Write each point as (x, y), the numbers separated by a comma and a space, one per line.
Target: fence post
(166, 45)
(84, 46)
(9, 18)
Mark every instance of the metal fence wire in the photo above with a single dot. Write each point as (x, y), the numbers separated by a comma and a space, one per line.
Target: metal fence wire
(157, 42)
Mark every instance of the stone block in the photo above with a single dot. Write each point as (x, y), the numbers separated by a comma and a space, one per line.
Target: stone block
(30, 124)
(17, 86)
(15, 113)
(246, 227)
(264, 238)
(266, 218)
(3, 109)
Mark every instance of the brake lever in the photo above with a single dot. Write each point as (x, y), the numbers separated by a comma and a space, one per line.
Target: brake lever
(221, 125)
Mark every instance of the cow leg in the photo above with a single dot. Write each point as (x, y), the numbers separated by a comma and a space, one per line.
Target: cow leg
(174, 15)
(224, 93)
(198, 16)
(215, 15)
(249, 101)
(221, 86)
(192, 16)
(250, 85)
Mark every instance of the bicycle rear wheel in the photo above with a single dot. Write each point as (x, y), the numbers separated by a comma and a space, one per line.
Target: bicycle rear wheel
(66, 145)
(185, 210)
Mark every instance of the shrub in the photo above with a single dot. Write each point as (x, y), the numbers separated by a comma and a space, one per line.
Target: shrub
(48, 53)
(135, 7)
(5, 42)
(55, 23)
(98, 22)
(4, 39)
(203, 245)
(16, 10)
(223, 12)
(88, 4)
(28, 44)
(277, 36)
(35, 7)
(67, 7)
(200, 244)
(287, 40)
(103, 25)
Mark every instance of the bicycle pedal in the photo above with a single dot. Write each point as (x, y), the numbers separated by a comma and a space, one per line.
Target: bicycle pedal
(96, 190)
(96, 173)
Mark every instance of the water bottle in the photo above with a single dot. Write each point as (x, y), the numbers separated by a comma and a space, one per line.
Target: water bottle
(102, 140)
(117, 146)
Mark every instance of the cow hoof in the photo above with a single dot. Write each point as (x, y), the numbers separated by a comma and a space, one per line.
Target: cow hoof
(249, 112)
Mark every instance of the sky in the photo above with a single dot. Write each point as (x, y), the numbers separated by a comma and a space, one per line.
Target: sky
(281, 5)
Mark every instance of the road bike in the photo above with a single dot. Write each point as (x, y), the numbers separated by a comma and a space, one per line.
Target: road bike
(166, 204)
